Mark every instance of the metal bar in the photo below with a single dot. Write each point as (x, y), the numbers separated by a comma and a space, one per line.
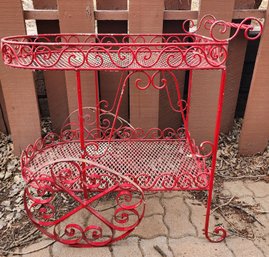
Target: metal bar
(188, 100)
(80, 111)
(124, 83)
(81, 133)
(218, 230)
(97, 114)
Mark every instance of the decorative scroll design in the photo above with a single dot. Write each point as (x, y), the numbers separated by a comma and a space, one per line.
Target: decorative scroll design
(245, 25)
(218, 28)
(42, 195)
(69, 52)
(220, 233)
(50, 140)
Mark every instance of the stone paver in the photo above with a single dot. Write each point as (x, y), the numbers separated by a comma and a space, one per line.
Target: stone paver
(264, 202)
(259, 188)
(197, 215)
(147, 247)
(60, 250)
(243, 247)
(263, 244)
(33, 247)
(40, 253)
(175, 223)
(151, 227)
(193, 246)
(172, 194)
(127, 247)
(153, 206)
(177, 217)
(237, 188)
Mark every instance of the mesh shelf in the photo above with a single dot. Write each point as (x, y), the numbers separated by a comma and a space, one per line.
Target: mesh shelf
(153, 165)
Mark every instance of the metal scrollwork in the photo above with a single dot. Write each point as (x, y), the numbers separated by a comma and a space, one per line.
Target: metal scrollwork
(43, 192)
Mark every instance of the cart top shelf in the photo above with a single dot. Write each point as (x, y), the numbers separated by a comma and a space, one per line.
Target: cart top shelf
(188, 50)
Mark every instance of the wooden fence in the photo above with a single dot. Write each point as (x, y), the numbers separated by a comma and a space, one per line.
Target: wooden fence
(19, 107)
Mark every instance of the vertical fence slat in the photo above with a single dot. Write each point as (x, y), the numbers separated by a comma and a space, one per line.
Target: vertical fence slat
(48, 4)
(235, 63)
(145, 17)
(54, 80)
(18, 85)
(206, 83)
(109, 81)
(78, 17)
(255, 130)
(167, 117)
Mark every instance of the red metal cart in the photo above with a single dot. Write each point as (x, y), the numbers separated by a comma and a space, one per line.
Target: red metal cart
(99, 155)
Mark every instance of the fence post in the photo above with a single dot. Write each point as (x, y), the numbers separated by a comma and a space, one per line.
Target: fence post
(109, 81)
(145, 17)
(167, 117)
(54, 80)
(235, 63)
(18, 85)
(255, 130)
(78, 17)
(206, 83)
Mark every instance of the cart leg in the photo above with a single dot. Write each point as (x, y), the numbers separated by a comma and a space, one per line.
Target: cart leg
(218, 230)
(81, 132)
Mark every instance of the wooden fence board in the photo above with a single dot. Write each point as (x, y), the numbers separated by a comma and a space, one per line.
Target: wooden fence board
(145, 17)
(54, 80)
(235, 63)
(18, 85)
(206, 83)
(48, 4)
(167, 117)
(255, 130)
(77, 17)
(109, 81)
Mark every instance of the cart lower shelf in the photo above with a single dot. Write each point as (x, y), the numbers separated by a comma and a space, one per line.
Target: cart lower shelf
(154, 165)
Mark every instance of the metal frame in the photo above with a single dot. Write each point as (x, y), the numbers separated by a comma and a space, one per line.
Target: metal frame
(98, 155)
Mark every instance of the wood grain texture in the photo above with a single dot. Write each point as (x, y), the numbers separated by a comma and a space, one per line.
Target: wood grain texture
(255, 130)
(78, 17)
(123, 14)
(41, 15)
(109, 81)
(145, 17)
(235, 63)
(18, 85)
(167, 117)
(54, 80)
(111, 5)
(48, 4)
(206, 83)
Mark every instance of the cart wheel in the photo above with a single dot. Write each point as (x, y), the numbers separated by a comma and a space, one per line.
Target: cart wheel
(82, 203)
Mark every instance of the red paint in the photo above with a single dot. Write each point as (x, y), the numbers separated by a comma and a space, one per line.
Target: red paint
(98, 155)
